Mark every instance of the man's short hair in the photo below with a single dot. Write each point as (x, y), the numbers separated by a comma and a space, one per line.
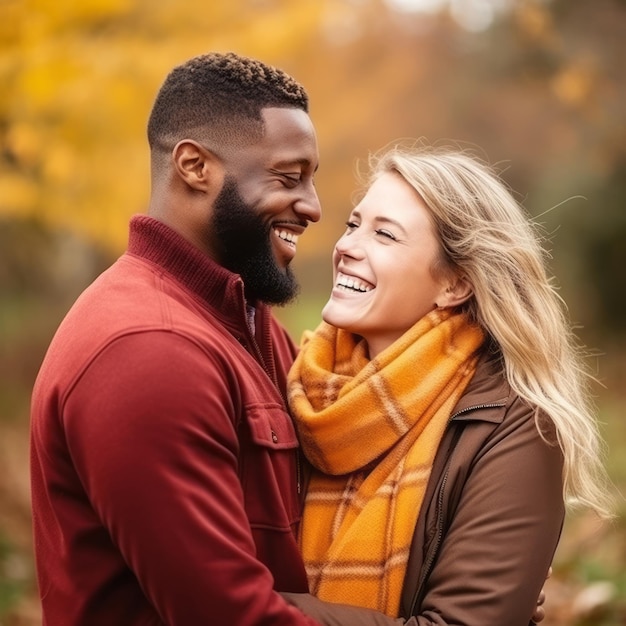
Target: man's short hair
(218, 97)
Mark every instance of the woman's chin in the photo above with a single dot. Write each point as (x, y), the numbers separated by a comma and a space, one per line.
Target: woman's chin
(331, 314)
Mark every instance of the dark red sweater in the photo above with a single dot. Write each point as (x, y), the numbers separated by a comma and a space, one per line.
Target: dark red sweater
(163, 458)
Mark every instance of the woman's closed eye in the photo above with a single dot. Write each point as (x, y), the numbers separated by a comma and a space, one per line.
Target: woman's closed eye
(385, 233)
(382, 232)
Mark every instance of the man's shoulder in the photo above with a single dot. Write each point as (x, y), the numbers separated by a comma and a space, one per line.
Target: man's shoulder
(123, 296)
(126, 299)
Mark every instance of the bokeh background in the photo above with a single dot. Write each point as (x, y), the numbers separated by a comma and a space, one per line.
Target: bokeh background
(539, 86)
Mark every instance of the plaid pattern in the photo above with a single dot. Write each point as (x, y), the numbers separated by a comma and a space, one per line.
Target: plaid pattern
(372, 428)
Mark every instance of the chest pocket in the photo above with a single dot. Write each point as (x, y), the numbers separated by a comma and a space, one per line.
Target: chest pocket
(268, 467)
(271, 427)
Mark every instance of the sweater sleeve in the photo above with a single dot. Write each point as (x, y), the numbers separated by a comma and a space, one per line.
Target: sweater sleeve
(150, 430)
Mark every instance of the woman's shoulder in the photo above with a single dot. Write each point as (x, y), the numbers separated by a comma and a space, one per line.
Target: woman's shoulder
(490, 399)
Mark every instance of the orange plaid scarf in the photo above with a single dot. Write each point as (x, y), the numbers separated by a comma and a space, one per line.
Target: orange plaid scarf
(371, 428)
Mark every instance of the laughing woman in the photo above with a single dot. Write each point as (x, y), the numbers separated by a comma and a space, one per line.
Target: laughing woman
(442, 405)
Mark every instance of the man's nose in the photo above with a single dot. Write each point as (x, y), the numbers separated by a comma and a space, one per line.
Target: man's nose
(308, 206)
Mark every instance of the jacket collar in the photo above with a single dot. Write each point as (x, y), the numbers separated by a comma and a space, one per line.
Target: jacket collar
(487, 394)
(214, 285)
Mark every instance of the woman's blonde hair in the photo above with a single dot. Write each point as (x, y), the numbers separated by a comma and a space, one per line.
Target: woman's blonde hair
(488, 239)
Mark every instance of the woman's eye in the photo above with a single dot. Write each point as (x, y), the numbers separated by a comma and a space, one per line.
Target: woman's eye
(386, 233)
(351, 225)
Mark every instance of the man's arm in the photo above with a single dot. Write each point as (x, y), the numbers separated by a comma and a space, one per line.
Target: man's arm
(150, 428)
(343, 615)
(331, 614)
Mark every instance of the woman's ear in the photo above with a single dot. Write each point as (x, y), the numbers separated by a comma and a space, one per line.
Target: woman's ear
(196, 165)
(457, 291)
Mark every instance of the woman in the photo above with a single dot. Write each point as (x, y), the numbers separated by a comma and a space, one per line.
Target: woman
(442, 404)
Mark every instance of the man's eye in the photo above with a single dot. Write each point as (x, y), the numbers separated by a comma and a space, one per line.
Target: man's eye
(291, 180)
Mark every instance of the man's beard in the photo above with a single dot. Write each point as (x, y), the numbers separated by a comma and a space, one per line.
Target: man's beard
(244, 247)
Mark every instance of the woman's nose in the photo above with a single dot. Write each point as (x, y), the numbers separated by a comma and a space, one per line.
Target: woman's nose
(349, 245)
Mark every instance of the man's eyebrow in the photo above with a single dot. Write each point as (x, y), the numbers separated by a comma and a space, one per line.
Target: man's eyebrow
(303, 162)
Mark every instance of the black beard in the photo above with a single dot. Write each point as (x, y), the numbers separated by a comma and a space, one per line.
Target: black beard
(244, 247)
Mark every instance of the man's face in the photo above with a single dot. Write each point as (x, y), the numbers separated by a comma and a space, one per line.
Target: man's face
(267, 200)
(244, 244)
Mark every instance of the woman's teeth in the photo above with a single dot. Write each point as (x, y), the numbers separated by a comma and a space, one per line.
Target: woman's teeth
(353, 284)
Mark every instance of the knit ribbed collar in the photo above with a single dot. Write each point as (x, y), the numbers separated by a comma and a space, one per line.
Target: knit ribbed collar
(157, 243)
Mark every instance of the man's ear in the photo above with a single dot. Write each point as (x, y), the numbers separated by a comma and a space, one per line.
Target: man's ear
(196, 166)
(457, 291)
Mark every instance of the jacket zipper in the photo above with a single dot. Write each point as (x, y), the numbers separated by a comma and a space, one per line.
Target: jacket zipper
(298, 471)
(427, 568)
(475, 407)
(435, 549)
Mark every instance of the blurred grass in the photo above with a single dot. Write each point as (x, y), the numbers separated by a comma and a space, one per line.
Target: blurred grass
(14, 575)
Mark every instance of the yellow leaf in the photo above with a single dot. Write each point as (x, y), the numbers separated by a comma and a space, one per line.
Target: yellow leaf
(18, 195)
(58, 164)
(24, 143)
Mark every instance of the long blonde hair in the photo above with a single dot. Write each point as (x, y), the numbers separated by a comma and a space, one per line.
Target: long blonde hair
(487, 237)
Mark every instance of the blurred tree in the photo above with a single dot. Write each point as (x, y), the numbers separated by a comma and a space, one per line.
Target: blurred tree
(538, 85)
(78, 81)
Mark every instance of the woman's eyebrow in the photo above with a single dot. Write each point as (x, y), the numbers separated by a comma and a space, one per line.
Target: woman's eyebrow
(382, 219)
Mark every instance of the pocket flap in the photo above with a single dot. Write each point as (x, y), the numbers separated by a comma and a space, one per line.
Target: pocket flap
(271, 426)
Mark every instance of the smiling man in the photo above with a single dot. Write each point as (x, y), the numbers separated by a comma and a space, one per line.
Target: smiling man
(164, 465)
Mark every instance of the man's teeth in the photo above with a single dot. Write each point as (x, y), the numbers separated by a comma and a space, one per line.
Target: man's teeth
(354, 284)
(287, 236)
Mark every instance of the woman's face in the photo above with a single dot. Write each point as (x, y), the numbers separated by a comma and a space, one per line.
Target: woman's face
(383, 279)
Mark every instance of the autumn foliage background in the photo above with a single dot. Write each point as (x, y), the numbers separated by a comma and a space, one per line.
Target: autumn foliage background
(538, 86)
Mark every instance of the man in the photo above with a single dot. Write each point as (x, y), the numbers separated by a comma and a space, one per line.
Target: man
(163, 459)
(165, 479)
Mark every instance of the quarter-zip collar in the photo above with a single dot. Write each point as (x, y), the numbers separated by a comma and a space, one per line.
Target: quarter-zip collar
(208, 282)
(157, 243)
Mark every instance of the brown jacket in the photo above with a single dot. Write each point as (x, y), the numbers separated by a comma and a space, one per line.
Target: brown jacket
(490, 522)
